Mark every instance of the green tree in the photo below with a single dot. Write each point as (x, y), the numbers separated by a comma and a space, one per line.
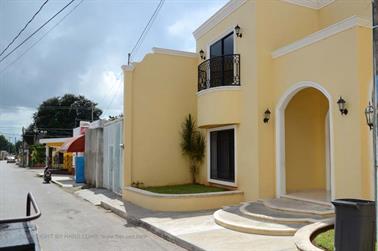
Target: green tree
(5, 145)
(192, 145)
(38, 154)
(57, 116)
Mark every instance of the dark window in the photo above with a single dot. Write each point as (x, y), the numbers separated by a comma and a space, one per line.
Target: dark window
(221, 65)
(61, 158)
(222, 155)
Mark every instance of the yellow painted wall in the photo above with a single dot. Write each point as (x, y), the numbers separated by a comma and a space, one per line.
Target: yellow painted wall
(218, 107)
(366, 86)
(159, 93)
(341, 9)
(162, 89)
(193, 202)
(269, 25)
(247, 132)
(336, 69)
(305, 158)
(278, 24)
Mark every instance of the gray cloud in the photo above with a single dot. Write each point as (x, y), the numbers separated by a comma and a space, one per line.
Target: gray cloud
(83, 55)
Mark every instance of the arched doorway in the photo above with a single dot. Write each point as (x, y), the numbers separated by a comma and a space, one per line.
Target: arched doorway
(304, 140)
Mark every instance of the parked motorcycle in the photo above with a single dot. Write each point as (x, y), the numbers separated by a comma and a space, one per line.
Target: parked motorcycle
(47, 175)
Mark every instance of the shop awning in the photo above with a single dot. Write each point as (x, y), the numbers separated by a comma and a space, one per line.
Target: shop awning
(75, 144)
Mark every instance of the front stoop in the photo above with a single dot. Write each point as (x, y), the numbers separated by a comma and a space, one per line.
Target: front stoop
(278, 217)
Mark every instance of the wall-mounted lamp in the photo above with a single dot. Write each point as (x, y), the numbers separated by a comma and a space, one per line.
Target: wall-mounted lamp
(237, 31)
(369, 114)
(267, 116)
(202, 54)
(342, 106)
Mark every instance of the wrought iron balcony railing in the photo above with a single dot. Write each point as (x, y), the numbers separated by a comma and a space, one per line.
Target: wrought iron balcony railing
(219, 71)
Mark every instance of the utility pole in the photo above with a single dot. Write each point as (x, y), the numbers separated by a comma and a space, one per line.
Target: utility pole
(374, 98)
(23, 147)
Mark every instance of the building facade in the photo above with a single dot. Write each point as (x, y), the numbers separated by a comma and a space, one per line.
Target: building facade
(279, 89)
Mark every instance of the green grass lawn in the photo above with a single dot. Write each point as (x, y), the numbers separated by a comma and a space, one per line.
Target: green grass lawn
(184, 189)
(325, 240)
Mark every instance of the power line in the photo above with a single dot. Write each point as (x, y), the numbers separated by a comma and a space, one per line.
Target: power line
(146, 29)
(139, 42)
(26, 25)
(42, 37)
(114, 95)
(31, 35)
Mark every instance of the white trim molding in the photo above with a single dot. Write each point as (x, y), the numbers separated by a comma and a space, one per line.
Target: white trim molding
(157, 50)
(54, 140)
(280, 135)
(331, 30)
(219, 88)
(226, 183)
(221, 14)
(313, 4)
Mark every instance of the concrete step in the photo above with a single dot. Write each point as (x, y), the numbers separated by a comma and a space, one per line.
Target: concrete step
(258, 211)
(297, 206)
(232, 218)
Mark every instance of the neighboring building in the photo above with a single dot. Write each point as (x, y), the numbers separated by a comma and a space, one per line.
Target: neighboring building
(113, 155)
(294, 58)
(55, 158)
(3, 155)
(103, 154)
(94, 155)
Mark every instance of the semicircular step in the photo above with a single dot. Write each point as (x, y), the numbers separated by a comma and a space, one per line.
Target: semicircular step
(232, 218)
(258, 211)
(301, 207)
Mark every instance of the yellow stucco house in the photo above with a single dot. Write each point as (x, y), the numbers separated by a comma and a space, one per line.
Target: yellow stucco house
(278, 87)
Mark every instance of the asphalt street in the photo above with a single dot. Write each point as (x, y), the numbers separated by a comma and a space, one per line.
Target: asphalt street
(69, 223)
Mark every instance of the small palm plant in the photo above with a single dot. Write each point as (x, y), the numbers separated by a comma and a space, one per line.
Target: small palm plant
(192, 145)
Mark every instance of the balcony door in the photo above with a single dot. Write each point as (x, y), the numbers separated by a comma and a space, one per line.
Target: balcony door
(222, 63)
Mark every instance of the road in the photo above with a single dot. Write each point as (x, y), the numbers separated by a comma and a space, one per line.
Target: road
(68, 222)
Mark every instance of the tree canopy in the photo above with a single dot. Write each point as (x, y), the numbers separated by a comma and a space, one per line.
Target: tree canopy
(57, 116)
(5, 145)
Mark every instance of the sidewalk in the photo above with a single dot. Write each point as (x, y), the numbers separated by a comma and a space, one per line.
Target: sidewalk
(63, 180)
(191, 230)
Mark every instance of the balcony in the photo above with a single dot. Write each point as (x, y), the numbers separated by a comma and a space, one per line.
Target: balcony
(219, 71)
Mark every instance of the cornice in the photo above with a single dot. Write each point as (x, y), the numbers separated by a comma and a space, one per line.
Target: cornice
(221, 14)
(174, 52)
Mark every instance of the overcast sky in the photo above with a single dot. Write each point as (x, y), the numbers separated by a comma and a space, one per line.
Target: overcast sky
(84, 53)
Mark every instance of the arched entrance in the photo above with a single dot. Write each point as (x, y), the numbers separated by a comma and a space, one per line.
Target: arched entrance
(304, 140)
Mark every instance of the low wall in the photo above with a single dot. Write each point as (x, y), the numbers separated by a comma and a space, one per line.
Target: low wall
(182, 202)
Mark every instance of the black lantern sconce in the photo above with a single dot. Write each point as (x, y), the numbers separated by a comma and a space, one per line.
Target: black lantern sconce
(342, 106)
(202, 54)
(267, 116)
(369, 114)
(237, 31)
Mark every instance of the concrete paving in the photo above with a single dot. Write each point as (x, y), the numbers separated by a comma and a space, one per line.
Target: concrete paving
(69, 223)
(193, 229)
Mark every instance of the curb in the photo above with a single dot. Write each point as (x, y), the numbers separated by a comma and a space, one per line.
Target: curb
(59, 184)
(302, 237)
(157, 231)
